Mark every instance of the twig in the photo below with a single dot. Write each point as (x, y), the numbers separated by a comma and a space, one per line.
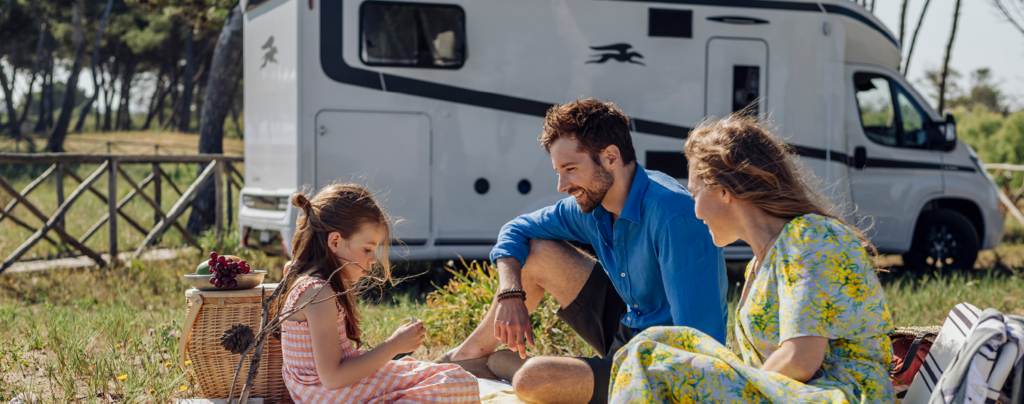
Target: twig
(268, 327)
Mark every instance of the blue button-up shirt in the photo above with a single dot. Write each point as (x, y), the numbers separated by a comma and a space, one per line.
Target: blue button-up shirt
(658, 255)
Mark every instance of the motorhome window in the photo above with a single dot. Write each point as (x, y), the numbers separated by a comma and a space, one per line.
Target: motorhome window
(914, 135)
(746, 87)
(412, 35)
(874, 99)
(253, 4)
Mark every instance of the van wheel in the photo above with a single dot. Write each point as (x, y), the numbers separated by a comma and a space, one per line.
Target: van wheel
(943, 240)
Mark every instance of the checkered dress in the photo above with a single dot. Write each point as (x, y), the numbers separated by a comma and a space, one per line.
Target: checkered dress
(401, 381)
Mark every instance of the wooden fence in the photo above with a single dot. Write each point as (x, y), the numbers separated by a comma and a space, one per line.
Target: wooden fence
(217, 166)
(1008, 197)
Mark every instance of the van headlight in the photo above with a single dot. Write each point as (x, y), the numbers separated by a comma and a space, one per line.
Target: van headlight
(265, 202)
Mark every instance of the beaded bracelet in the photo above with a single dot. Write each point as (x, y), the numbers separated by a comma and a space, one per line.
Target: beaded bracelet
(512, 294)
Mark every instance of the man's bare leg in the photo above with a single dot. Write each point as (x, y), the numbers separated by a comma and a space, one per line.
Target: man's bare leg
(553, 266)
(552, 379)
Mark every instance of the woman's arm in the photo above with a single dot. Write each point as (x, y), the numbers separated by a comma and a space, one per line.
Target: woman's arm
(334, 372)
(798, 358)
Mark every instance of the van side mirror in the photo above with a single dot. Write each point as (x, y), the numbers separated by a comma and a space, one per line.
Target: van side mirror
(950, 128)
(942, 135)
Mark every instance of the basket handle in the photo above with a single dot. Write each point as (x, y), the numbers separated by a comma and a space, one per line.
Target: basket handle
(186, 330)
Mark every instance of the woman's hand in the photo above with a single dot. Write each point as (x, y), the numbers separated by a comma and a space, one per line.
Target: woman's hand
(798, 358)
(408, 337)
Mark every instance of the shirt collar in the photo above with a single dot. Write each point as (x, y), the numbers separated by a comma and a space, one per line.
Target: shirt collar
(631, 209)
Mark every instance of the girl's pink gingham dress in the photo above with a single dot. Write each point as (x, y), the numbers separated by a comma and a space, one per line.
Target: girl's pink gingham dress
(401, 381)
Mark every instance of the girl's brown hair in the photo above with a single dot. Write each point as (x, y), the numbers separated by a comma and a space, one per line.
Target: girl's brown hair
(739, 154)
(342, 208)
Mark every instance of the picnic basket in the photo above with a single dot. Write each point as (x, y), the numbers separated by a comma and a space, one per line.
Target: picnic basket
(209, 314)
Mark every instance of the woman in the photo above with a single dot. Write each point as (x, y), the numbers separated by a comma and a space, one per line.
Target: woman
(812, 322)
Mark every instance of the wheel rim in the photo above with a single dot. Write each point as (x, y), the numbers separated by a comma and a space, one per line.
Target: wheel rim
(942, 247)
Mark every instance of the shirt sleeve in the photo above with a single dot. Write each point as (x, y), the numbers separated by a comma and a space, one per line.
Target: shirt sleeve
(693, 272)
(561, 221)
(827, 286)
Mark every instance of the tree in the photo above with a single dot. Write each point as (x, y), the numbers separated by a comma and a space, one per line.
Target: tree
(945, 61)
(1013, 11)
(217, 101)
(60, 129)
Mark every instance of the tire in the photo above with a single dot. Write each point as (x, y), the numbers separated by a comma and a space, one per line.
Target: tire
(944, 240)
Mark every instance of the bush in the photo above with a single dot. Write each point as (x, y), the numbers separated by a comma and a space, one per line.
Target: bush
(457, 308)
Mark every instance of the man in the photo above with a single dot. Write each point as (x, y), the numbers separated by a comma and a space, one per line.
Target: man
(656, 264)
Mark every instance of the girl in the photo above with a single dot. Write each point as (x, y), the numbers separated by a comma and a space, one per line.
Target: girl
(344, 224)
(812, 323)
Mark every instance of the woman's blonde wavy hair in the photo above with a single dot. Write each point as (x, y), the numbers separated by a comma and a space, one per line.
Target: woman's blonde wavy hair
(739, 154)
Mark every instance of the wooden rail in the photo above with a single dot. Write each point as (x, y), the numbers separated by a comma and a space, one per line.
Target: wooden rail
(1006, 196)
(218, 167)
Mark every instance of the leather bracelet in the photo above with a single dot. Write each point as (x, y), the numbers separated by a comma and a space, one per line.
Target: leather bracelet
(516, 293)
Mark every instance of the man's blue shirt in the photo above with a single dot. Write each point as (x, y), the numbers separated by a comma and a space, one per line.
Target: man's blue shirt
(658, 255)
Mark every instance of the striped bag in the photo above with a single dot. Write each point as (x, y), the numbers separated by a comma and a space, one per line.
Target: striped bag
(971, 360)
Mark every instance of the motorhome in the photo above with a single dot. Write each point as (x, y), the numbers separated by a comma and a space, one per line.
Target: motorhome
(437, 106)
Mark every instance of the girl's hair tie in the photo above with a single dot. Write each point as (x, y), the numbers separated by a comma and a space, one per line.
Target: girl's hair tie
(305, 205)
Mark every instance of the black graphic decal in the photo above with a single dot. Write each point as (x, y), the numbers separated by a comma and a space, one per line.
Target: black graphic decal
(271, 51)
(620, 54)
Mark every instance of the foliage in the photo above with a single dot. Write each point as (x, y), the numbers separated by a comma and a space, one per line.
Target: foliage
(457, 308)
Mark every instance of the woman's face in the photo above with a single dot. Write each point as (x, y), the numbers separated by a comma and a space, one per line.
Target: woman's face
(360, 249)
(712, 205)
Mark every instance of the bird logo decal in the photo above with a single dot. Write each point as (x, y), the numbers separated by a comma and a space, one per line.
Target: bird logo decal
(271, 50)
(621, 54)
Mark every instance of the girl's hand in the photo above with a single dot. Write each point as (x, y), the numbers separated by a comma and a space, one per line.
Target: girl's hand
(408, 337)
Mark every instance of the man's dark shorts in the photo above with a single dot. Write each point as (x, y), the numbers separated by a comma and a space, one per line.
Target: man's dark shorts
(596, 315)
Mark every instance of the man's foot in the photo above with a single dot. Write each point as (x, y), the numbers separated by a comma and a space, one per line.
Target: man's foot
(476, 366)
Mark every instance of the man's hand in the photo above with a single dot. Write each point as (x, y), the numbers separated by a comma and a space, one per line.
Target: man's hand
(512, 319)
(512, 325)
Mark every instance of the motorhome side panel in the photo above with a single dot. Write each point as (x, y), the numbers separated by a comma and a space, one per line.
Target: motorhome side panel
(271, 122)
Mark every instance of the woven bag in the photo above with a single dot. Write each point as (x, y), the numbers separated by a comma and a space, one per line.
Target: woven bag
(209, 314)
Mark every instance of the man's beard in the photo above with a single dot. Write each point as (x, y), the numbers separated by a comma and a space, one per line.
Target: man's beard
(597, 188)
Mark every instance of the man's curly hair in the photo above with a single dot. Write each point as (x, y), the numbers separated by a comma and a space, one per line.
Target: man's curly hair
(595, 124)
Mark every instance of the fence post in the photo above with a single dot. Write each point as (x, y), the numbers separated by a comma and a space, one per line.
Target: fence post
(229, 207)
(157, 194)
(112, 208)
(58, 178)
(218, 210)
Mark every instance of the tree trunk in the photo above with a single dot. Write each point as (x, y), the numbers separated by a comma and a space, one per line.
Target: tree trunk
(913, 38)
(185, 114)
(217, 101)
(60, 130)
(903, 21)
(158, 88)
(124, 118)
(945, 61)
(92, 67)
(108, 92)
(45, 101)
(12, 113)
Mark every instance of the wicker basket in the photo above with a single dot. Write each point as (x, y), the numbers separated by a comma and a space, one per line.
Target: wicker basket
(209, 314)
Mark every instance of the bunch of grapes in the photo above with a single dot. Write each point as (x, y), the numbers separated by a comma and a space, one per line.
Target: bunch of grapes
(225, 270)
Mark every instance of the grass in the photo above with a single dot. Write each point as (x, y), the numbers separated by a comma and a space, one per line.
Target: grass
(100, 335)
(89, 208)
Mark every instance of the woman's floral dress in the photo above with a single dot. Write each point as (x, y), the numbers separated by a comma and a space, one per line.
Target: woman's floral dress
(816, 280)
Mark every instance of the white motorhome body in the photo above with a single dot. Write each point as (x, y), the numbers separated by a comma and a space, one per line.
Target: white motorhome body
(438, 106)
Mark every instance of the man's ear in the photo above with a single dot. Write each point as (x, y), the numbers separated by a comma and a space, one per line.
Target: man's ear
(610, 156)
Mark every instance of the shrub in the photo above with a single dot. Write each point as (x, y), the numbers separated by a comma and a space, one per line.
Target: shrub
(457, 308)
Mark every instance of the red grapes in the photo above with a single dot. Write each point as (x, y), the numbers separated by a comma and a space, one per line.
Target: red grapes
(225, 270)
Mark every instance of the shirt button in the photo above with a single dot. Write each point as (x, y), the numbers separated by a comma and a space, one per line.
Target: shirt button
(635, 306)
(623, 274)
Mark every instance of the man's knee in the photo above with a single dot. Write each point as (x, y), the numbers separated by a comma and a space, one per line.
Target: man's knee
(541, 247)
(545, 379)
(530, 380)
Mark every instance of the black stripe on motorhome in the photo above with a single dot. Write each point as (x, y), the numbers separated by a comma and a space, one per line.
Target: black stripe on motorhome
(334, 66)
(785, 6)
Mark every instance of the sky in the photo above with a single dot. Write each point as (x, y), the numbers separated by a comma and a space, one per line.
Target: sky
(984, 38)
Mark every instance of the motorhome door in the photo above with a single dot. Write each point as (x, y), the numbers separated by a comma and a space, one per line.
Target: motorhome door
(736, 75)
(389, 153)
